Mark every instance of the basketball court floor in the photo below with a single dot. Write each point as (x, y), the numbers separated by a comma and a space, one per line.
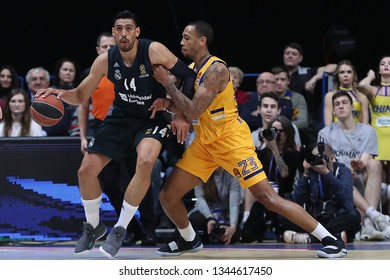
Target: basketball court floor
(358, 250)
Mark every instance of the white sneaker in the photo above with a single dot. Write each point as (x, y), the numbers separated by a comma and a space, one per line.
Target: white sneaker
(293, 237)
(382, 223)
(369, 233)
(385, 191)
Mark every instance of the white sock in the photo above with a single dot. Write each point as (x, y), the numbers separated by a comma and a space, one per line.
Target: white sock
(127, 213)
(245, 217)
(187, 233)
(91, 209)
(372, 213)
(320, 232)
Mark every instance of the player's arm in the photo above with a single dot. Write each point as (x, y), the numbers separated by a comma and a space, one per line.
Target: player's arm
(215, 80)
(161, 55)
(83, 92)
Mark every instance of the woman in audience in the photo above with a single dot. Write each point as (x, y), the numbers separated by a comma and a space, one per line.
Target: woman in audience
(376, 86)
(66, 76)
(8, 81)
(345, 79)
(17, 120)
(217, 210)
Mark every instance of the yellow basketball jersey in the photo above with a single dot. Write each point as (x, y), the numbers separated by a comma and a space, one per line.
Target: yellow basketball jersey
(220, 118)
(380, 120)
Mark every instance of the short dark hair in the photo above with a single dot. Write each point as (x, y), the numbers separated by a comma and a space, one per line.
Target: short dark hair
(270, 94)
(294, 45)
(341, 93)
(125, 14)
(280, 69)
(203, 28)
(103, 34)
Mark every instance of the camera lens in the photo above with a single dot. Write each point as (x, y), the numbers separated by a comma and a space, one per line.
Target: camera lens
(269, 133)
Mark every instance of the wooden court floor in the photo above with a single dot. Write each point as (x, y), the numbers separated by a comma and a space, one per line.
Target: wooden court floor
(359, 250)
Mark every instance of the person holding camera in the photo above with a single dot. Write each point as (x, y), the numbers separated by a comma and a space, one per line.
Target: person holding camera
(217, 210)
(326, 191)
(355, 144)
(281, 159)
(269, 108)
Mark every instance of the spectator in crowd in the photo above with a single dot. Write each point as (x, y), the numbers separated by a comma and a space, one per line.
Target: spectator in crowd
(304, 80)
(376, 87)
(37, 78)
(217, 210)
(326, 191)
(17, 120)
(280, 158)
(345, 79)
(66, 76)
(246, 101)
(237, 77)
(9, 80)
(269, 108)
(266, 82)
(355, 145)
(300, 115)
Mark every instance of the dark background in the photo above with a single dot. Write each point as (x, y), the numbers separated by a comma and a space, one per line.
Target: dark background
(249, 34)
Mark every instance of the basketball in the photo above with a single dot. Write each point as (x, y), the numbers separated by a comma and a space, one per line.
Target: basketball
(47, 111)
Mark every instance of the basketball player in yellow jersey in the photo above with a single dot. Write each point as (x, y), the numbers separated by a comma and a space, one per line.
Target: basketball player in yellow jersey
(222, 139)
(345, 79)
(379, 97)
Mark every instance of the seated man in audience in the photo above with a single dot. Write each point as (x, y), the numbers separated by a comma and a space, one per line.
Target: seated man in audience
(300, 115)
(355, 144)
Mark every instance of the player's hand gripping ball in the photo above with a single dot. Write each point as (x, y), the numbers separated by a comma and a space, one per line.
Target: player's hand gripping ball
(47, 111)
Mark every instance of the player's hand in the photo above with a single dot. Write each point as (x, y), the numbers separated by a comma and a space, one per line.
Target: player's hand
(1, 114)
(180, 127)
(84, 145)
(161, 75)
(160, 104)
(47, 91)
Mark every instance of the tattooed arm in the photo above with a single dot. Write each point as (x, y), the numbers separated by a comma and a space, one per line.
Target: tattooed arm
(215, 80)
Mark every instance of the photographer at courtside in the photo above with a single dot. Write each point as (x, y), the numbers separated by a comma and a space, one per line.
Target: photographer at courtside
(326, 191)
(217, 210)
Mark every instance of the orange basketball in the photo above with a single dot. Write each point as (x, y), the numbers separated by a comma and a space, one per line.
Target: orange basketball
(47, 111)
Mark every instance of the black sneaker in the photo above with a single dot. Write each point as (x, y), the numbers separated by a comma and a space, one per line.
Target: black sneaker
(176, 248)
(149, 239)
(332, 248)
(88, 239)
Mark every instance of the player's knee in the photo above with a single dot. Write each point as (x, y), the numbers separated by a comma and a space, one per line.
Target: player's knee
(145, 164)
